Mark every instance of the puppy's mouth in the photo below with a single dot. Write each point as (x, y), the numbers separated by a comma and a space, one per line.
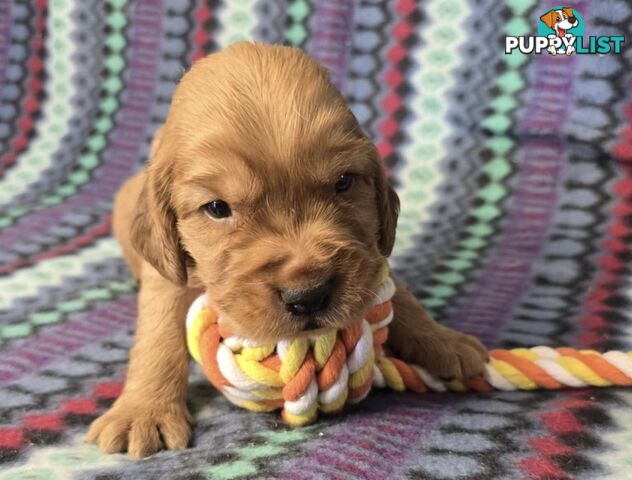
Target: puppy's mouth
(320, 320)
(311, 324)
(337, 316)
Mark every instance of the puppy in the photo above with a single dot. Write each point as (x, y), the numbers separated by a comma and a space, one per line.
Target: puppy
(262, 190)
(560, 21)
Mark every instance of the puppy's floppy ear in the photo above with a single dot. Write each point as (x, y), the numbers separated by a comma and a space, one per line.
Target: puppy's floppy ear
(549, 18)
(568, 11)
(154, 229)
(387, 207)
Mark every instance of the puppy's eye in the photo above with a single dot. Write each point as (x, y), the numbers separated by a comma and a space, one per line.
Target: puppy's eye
(344, 183)
(218, 209)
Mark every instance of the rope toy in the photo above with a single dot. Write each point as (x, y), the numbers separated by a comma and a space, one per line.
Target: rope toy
(306, 375)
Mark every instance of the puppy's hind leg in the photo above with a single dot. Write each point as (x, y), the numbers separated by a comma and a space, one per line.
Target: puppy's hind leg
(122, 218)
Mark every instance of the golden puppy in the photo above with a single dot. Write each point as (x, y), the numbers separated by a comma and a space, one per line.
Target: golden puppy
(263, 190)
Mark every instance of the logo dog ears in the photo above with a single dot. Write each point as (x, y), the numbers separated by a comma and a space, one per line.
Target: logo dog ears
(560, 31)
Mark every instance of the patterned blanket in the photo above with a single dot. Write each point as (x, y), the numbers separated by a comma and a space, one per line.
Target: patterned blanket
(515, 174)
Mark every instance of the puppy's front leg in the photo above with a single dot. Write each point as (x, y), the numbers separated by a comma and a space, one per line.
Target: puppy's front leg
(152, 407)
(416, 338)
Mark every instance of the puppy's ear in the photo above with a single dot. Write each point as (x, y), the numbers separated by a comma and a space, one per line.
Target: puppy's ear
(568, 11)
(549, 18)
(387, 207)
(154, 229)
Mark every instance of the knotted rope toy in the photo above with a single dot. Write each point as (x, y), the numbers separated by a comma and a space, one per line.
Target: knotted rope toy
(306, 375)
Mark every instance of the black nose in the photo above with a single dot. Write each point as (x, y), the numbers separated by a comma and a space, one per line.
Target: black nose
(307, 301)
(572, 20)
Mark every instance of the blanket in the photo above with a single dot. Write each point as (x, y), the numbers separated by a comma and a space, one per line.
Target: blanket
(515, 176)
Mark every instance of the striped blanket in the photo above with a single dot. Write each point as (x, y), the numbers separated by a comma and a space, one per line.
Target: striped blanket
(515, 175)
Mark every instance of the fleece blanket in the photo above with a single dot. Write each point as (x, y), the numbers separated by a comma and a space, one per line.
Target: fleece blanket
(515, 175)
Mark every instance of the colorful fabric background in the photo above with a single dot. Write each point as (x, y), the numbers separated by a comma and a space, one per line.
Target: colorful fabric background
(515, 175)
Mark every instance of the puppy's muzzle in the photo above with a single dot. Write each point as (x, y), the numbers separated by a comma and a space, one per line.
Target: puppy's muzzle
(307, 301)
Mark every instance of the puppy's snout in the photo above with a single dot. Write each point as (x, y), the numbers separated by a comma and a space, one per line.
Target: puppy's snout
(307, 301)
(572, 20)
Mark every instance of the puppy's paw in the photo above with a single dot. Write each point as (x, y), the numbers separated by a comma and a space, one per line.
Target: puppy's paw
(141, 429)
(447, 354)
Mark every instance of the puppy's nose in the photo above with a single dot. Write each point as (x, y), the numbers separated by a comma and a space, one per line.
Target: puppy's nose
(572, 20)
(307, 301)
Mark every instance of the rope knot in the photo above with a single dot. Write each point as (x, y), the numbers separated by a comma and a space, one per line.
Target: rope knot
(302, 375)
(321, 373)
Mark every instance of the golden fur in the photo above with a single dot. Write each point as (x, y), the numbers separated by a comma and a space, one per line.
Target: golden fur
(262, 128)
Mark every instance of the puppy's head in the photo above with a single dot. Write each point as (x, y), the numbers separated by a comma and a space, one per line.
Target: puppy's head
(263, 188)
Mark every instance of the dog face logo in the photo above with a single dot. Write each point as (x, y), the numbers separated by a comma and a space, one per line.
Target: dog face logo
(563, 23)
(560, 20)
